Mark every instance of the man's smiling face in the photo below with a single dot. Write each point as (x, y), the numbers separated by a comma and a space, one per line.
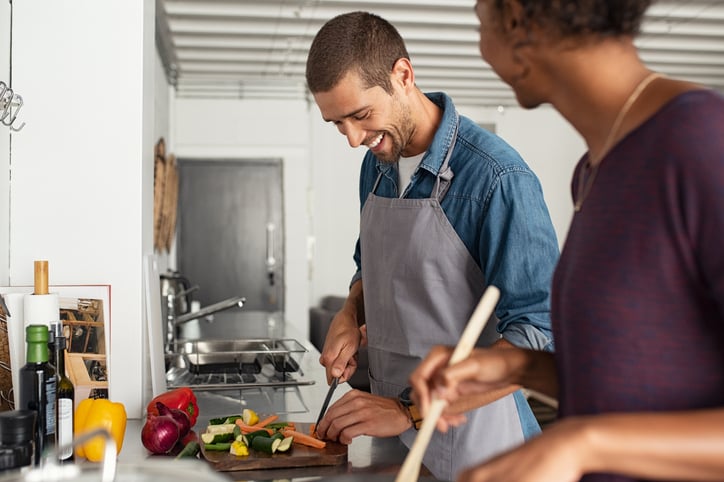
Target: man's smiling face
(368, 116)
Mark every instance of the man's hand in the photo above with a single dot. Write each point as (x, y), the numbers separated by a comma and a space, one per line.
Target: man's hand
(361, 413)
(339, 354)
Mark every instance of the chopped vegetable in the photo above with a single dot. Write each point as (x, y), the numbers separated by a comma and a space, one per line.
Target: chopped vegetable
(223, 428)
(189, 450)
(224, 420)
(286, 444)
(220, 447)
(215, 438)
(266, 421)
(265, 444)
(280, 425)
(249, 416)
(304, 439)
(252, 428)
(239, 449)
(252, 435)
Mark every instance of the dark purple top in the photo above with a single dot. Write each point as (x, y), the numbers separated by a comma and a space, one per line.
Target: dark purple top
(638, 294)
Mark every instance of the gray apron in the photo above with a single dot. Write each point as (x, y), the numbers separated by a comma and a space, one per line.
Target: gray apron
(420, 287)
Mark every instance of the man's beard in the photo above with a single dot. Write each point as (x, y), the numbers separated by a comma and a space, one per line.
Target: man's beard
(399, 135)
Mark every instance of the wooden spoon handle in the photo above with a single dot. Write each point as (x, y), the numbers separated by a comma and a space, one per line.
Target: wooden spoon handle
(411, 466)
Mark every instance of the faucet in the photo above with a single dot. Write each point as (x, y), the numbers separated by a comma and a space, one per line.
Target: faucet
(173, 321)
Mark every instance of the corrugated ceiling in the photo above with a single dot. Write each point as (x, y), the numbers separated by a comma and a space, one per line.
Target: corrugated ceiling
(258, 48)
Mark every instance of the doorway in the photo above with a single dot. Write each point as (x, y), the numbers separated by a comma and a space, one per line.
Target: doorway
(230, 237)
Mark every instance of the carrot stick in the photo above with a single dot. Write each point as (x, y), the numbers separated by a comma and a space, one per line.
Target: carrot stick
(312, 429)
(304, 439)
(251, 428)
(266, 421)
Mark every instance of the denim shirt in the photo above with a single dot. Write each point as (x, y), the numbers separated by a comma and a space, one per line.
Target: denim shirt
(495, 204)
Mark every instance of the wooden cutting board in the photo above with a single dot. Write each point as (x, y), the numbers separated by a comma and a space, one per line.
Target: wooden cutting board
(299, 456)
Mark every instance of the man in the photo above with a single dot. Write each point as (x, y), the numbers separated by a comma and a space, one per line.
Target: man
(447, 208)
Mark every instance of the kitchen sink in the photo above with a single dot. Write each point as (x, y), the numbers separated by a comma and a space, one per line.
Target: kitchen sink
(224, 364)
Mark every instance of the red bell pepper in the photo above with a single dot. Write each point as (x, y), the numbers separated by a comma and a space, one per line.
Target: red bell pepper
(182, 398)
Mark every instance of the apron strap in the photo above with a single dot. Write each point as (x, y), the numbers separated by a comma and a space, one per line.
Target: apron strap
(442, 184)
(445, 175)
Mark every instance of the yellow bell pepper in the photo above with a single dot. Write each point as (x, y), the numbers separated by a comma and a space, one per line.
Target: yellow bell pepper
(99, 413)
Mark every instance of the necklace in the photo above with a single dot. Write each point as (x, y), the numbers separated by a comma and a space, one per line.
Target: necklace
(583, 190)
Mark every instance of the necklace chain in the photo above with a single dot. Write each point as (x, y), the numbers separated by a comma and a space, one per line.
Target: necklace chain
(583, 190)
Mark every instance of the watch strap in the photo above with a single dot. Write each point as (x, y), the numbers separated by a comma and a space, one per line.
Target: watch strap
(411, 408)
(415, 416)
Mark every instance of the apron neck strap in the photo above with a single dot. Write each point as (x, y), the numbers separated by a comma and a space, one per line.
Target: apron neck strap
(445, 174)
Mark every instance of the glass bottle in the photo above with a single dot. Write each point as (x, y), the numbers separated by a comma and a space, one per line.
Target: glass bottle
(64, 397)
(37, 388)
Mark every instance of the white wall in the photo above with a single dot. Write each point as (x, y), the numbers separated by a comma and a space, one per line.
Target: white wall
(82, 167)
(5, 147)
(335, 213)
(237, 129)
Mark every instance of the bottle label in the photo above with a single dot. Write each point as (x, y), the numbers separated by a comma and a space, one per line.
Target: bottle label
(65, 427)
(50, 385)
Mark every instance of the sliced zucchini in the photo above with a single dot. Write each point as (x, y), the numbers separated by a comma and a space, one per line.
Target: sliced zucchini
(215, 438)
(222, 428)
(265, 444)
(286, 444)
(220, 447)
(248, 437)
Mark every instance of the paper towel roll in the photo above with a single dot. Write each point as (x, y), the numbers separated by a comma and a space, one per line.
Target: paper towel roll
(41, 309)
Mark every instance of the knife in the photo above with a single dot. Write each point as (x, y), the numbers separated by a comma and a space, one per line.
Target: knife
(332, 387)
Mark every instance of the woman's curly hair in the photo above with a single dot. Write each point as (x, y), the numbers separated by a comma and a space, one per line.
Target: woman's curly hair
(575, 18)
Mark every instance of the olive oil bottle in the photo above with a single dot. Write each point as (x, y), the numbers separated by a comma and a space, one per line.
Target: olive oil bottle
(37, 388)
(64, 398)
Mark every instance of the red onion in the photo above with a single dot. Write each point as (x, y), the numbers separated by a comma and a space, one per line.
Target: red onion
(160, 433)
(179, 416)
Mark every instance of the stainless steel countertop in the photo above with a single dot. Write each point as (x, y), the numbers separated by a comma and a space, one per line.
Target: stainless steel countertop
(367, 455)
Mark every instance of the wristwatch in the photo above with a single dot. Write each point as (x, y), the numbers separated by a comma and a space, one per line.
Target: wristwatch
(412, 411)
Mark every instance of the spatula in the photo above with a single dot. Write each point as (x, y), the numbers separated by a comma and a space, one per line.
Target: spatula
(411, 466)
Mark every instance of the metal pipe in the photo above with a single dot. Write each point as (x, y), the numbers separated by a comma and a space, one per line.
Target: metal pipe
(210, 309)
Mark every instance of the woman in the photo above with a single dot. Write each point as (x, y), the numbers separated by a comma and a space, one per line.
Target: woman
(638, 294)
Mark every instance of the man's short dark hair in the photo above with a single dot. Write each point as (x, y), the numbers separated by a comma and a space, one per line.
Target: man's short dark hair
(357, 41)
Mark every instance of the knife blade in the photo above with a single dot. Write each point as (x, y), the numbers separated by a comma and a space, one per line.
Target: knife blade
(332, 387)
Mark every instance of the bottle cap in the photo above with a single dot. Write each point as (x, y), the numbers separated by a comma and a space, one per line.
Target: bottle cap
(36, 333)
(56, 328)
(17, 426)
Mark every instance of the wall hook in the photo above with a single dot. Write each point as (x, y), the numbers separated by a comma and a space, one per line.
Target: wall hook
(8, 101)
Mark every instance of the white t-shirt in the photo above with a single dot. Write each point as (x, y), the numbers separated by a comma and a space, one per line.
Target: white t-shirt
(406, 168)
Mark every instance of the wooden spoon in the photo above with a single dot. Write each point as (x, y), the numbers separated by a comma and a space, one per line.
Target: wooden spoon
(411, 466)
